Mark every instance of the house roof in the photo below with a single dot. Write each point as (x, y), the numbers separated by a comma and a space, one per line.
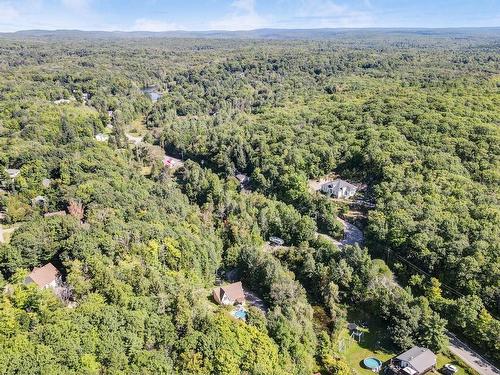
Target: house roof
(44, 275)
(241, 177)
(46, 182)
(276, 240)
(233, 291)
(341, 184)
(13, 173)
(56, 213)
(419, 358)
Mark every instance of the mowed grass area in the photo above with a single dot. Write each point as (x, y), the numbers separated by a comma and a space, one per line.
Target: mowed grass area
(375, 343)
(8, 231)
(138, 127)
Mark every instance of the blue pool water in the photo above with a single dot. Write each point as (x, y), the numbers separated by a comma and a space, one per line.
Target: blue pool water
(372, 363)
(240, 314)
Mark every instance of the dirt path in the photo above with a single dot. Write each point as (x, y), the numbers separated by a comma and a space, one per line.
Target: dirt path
(470, 357)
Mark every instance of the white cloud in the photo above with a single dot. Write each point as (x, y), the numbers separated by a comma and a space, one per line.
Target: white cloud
(77, 5)
(8, 11)
(320, 8)
(244, 5)
(244, 16)
(328, 13)
(144, 24)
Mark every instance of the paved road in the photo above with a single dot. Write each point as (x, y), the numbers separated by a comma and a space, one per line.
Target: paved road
(470, 357)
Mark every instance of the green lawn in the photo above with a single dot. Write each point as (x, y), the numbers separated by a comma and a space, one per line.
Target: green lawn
(374, 343)
(8, 231)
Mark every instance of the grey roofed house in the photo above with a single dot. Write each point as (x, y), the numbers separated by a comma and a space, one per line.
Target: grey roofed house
(39, 200)
(339, 188)
(242, 178)
(46, 182)
(418, 359)
(13, 173)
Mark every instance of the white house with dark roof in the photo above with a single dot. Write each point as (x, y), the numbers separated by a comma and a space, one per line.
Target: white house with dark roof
(339, 189)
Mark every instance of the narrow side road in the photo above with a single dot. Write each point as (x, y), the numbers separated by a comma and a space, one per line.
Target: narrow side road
(470, 357)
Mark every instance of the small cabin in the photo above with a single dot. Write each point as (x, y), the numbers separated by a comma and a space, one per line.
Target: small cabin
(276, 241)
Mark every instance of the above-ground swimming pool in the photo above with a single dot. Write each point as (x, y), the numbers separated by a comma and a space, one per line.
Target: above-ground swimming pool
(372, 363)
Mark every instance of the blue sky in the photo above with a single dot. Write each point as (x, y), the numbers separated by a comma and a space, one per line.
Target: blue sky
(163, 15)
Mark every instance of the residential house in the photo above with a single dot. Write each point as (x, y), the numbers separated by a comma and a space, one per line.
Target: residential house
(170, 162)
(47, 276)
(100, 137)
(13, 173)
(243, 179)
(39, 200)
(339, 189)
(229, 294)
(415, 361)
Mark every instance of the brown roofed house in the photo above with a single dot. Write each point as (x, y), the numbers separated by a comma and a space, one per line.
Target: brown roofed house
(47, 276)
(229, 294)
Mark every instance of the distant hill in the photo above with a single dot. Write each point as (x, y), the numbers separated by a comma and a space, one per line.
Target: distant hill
(279, 34)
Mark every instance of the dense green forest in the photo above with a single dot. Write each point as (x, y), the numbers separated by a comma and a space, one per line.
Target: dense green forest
(414, 118)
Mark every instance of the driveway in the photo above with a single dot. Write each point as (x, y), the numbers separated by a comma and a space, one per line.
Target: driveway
(352, 235)
(253, 300)
(470, 357)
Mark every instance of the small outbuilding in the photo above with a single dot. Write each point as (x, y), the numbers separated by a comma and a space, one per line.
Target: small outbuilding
(276, 241)
(56, 213)
(230, 294)
(46, 182)
(100, 137)
(47, 276)
(339, 189)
